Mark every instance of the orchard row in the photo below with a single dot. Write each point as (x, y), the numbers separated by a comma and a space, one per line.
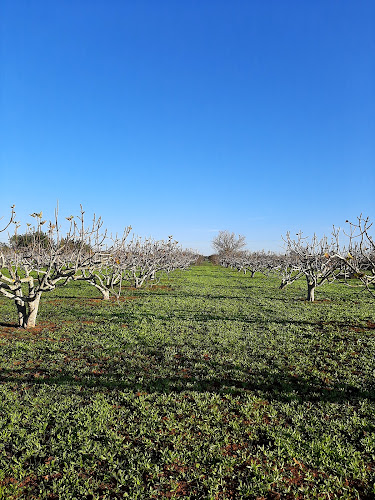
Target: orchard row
(43, 258)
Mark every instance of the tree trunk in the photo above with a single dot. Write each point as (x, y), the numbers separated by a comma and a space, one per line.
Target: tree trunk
(139, 280)
(21, 310)
(103, 291)
(310, 291)
(27, 313)
(33, 311)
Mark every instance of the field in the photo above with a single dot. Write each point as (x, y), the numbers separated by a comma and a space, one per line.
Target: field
(211, 385)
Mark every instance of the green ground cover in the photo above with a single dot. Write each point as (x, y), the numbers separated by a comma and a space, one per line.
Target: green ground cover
(214, 385)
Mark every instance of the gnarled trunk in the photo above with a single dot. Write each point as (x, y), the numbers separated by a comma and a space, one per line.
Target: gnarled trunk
(104, 291)
(21, 310)
(28, 310)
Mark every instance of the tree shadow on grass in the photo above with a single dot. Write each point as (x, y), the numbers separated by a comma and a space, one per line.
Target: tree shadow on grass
(9, 325)
(202, 316)
(275, 384)
(206, 296)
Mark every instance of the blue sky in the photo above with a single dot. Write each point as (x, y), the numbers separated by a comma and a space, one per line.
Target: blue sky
(188, 117)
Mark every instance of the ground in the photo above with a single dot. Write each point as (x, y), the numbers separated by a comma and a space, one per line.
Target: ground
(213, 385)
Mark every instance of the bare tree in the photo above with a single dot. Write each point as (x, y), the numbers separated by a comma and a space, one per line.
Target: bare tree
(107, 275)
(144, 258)
(359, 257)
(137, 263)
(251, 262)
(226, 243)
(315, 259)
(184, 258)
(289, 267)
(27, 271)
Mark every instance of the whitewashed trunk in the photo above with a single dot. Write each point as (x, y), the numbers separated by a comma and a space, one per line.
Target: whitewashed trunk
(103, 291)
(311, 292)
(28, 311)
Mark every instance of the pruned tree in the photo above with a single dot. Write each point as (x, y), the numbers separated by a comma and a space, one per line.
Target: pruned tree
(252, 262)
(139, 262)
(108, 275)
(41, 265)
(314, 258)
(288, 266)
(358, 259)
(182, 259)
(144, 258)
(226, 243)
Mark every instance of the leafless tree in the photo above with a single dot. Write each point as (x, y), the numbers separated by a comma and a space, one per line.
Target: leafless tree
(139, 262)
(358, 259)
(288, 266)
(251, 262)
(144, 258)
(313, 258)
(226, 243)
(42, 259)
(184, 258)
(27, 271)
(108, 274)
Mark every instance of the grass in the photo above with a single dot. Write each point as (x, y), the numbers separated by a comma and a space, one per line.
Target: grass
(214, 385)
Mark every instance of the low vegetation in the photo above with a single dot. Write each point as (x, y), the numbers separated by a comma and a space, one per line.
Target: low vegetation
(210, 385)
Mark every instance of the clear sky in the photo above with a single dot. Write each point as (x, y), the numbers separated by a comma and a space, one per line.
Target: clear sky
(187, 117)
